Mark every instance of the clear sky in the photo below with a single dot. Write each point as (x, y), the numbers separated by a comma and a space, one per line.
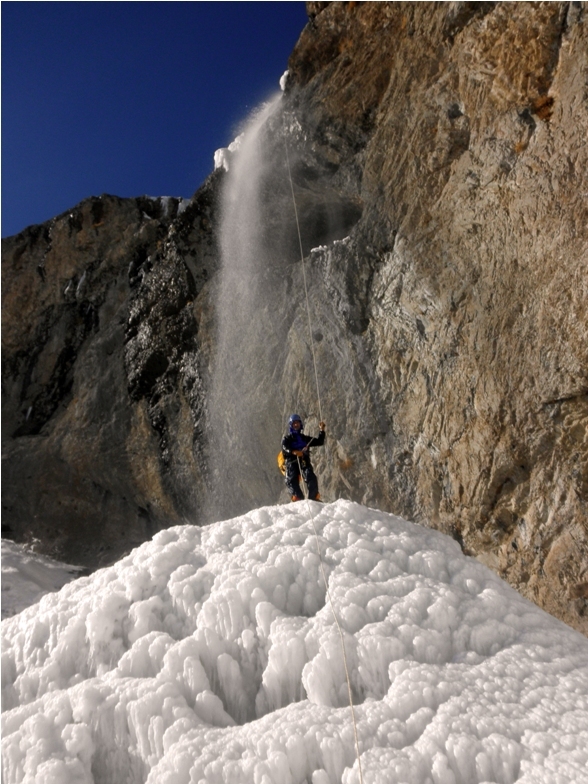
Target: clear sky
(128, 98)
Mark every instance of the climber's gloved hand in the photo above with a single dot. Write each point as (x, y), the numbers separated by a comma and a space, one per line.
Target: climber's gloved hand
(322, 426)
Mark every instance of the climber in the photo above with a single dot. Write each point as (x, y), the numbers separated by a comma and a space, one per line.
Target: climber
(296, 451)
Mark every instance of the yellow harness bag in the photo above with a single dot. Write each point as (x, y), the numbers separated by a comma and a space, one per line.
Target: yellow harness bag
(282, 463)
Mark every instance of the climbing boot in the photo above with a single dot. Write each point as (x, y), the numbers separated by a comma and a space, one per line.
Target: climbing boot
(295, 498)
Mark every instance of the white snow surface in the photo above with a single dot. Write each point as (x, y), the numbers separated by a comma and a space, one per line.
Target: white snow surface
(26, 576)
(167, 201)
(212, 655)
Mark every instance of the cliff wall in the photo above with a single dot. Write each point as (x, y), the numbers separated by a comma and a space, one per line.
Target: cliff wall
(465, 281)
(102, 392)
(439, 164)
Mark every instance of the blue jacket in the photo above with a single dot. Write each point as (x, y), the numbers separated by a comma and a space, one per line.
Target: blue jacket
(289, 441)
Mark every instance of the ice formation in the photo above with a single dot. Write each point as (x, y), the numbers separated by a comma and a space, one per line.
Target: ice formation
(211, 655)
(166, 203)
(222, 157)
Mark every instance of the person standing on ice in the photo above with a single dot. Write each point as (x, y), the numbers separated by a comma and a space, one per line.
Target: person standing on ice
(296, 452)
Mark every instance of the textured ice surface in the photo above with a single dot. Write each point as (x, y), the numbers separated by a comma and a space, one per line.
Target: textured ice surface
(211, 655)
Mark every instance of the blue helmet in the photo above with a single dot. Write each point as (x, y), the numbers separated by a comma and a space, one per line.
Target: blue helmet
(295, 418)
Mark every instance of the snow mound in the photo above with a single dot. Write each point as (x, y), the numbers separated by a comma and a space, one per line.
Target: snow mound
(212, 655)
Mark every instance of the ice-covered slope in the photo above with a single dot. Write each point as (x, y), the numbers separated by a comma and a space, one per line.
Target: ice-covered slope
(26, 576)
(211, 655)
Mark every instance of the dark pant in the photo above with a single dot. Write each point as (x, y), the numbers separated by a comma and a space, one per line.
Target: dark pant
(293, 472)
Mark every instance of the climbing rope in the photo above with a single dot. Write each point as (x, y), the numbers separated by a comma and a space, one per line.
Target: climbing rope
(311, 516)
(340, 630)
(318, 394)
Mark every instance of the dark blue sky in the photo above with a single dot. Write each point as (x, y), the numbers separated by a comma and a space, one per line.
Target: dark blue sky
(128, 98)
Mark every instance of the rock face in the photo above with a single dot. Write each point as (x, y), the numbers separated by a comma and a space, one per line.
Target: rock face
(439, 159)
(102, 393)
(466, 279)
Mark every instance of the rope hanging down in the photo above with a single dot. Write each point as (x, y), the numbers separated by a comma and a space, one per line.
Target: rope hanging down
(340, 630)
(318, 394)
(318, 547)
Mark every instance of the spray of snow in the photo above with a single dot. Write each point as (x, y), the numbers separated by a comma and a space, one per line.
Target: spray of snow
(211, 655)
(242, 346)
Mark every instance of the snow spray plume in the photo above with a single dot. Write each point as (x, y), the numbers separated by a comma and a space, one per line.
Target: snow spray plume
(250, 323)
(263, 365)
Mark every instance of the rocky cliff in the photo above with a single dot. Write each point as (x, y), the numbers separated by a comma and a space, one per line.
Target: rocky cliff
(102, 394)
(438, 158)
